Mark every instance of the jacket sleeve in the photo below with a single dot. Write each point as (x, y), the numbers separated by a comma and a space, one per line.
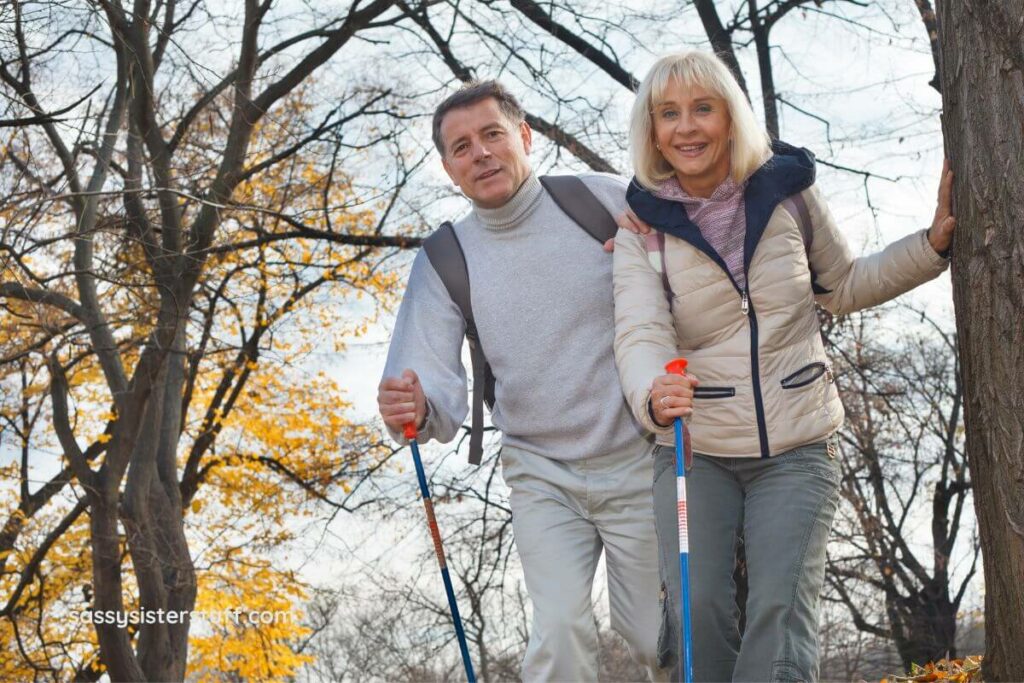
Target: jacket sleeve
(858, 283)
(428, 336)
(645, 336)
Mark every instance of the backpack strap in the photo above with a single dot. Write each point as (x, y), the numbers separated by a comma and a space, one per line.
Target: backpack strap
(654, 241)
(577, 201)
(449, 261)
(796, 205)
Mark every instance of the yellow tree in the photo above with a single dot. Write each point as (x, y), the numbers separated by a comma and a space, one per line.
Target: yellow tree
(157, 256)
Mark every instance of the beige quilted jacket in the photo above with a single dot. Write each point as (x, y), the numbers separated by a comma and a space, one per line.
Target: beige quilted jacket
(765, 382)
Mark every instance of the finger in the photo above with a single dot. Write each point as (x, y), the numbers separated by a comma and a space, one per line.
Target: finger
(625, 221)
(398, 409)
(410, 376)
(673, 380)
(391, 398)
(670, 414)
(674, 403)
(609, 246)
(946, 193)
(640, 226)
(393, 384)
(398, 422)
(679, 391)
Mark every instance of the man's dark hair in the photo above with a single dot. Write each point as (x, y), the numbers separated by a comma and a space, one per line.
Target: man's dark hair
(471, 93)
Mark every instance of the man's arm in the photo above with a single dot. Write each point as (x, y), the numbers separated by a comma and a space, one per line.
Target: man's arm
(427, 340)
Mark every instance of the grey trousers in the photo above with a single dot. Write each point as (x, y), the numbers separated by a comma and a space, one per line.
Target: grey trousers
(784, 507)
(563, 515)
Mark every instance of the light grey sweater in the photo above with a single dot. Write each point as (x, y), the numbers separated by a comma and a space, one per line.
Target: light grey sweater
(541, 291)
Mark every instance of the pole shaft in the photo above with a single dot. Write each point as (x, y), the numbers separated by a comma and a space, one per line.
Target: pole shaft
(435, 534)
(686, 659)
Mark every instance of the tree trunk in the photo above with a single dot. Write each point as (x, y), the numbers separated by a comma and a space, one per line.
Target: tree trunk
(982, 75)
(923, 625)
(764, 67)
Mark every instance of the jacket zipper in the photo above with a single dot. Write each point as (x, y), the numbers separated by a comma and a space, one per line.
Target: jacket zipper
(755, 366)
(755, 376)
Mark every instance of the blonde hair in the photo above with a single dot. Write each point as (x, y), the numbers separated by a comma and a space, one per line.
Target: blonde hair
(750, 144)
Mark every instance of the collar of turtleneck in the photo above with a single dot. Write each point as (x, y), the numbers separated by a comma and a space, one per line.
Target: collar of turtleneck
(524, 202)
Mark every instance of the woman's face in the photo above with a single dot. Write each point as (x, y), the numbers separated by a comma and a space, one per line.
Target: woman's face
(691, 130)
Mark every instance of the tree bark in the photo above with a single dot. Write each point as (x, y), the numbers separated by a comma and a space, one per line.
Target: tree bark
(982, 71)
(761, 30)
(721, 40)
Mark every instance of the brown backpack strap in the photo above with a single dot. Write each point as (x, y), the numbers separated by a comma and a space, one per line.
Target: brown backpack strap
(577, 201)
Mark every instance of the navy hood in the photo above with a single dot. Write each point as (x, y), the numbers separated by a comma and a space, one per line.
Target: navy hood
(790, 170)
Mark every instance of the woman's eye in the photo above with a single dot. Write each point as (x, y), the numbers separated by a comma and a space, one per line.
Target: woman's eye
(669, 114)
(704, 109)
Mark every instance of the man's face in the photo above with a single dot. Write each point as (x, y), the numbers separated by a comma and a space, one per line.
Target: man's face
(485, 154)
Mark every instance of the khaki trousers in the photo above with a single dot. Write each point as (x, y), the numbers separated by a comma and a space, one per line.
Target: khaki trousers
(563, 515)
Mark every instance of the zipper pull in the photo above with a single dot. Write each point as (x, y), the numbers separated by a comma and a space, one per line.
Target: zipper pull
(744, 302)
(828, 373)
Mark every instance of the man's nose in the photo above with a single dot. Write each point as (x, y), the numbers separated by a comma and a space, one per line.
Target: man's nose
(480, 151)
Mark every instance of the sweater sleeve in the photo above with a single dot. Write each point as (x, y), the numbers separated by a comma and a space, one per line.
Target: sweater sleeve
(858, 283)
(645, 336)
(427, 339)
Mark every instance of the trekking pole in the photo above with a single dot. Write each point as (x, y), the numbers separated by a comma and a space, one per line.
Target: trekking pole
(428, 505)
(677, 366)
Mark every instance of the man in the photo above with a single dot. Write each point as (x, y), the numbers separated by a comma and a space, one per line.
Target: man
(577, 464)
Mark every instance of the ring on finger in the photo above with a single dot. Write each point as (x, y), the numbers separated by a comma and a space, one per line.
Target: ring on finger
(662, 402)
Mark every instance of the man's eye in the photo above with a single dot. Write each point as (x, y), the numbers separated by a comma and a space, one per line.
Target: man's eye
(494, 134)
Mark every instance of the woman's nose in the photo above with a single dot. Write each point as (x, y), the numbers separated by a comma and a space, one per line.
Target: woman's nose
(686, 123)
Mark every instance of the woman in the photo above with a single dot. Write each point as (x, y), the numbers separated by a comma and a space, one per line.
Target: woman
(744, 245)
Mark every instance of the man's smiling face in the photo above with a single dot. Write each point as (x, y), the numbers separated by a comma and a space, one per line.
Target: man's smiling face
(485, 153)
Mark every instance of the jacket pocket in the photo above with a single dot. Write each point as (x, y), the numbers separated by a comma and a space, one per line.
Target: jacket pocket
(803, 376)
(714, 392)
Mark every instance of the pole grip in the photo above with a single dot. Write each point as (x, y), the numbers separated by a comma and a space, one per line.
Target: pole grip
(676, 366)
(409, 430)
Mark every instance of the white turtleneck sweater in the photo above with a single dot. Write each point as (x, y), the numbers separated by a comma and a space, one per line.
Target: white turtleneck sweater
(541, 291)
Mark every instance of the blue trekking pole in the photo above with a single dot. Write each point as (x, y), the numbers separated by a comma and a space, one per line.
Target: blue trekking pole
(428, 505)
(678, 367)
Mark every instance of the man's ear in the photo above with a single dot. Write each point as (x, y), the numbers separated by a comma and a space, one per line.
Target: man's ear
(526, 133)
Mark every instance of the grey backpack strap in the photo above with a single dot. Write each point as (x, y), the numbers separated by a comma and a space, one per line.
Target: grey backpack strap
(796, 205)
(577, 201)
(449, 261)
